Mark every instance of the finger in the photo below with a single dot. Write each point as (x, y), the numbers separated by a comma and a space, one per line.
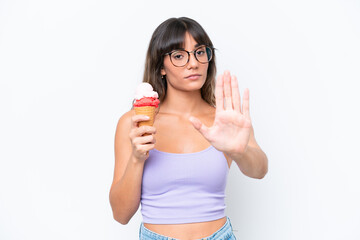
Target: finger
(145, 129)
(219, 94)
(145, 140)
(235, 94)
(148, 147)
(142, 131)
(144, 149)
(227, 91)
(198, 125)
(246, 103)
(138, 118)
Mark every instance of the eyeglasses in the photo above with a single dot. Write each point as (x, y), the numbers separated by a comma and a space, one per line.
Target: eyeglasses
(180, 58)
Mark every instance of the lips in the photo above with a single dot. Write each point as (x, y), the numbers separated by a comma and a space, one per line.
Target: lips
(193, 76)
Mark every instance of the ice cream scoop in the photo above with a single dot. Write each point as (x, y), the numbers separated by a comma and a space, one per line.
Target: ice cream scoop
(146, 101)
(145, 90)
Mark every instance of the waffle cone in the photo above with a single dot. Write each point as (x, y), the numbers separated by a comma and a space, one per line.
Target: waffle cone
(148, 111)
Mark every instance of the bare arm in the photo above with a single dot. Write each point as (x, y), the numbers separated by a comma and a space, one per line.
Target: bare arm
(232, 131)
(253, 162)
(130, 154)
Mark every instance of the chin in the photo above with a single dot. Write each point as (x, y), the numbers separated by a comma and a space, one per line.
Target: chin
(196, 87)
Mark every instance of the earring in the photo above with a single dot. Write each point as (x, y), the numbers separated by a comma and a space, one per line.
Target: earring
(162, 77)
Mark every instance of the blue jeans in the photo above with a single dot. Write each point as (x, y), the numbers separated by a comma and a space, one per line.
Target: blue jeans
(224, 233)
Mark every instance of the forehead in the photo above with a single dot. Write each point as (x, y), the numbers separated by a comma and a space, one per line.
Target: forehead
(189, 42)
(177, 40)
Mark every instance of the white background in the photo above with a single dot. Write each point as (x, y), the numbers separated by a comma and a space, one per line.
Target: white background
(69, 69)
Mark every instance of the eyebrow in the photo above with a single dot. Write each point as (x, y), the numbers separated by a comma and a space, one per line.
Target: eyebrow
(196, 45)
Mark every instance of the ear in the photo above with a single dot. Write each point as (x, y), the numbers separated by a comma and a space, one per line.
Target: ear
(163, 71)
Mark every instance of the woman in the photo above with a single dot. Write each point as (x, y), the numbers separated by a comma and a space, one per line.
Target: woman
(181, 183)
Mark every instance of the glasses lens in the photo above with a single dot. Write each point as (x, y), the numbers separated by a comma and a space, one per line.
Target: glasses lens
(179, 58)
(203, 54)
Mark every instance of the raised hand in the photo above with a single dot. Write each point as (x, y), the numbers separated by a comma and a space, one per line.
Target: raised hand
(230, 132)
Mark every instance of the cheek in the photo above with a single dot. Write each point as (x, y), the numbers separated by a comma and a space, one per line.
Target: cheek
(206, 66)
(169, 68)
(205, 69)
(172, 72)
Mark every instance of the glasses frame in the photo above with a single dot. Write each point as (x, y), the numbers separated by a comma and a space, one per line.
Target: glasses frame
(193, 52)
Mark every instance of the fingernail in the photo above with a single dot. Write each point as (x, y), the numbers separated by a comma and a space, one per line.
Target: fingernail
(147, 117)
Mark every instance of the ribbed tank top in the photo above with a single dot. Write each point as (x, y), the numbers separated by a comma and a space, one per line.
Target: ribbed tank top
(184, 187)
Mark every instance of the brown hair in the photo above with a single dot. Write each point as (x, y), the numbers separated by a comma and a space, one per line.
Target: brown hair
(168, 36)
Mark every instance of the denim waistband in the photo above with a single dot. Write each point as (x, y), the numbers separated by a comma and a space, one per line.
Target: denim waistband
(224, 233)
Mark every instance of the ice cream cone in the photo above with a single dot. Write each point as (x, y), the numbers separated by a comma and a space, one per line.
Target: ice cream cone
(146, 101)
(148, 111)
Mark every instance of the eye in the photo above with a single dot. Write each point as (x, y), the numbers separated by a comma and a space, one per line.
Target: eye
(177, 55)
(201, 51)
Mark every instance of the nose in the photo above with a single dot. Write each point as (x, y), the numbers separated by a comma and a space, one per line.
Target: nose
(193, 63)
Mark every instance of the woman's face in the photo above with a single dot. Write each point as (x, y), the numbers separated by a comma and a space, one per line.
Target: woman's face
(179, 77)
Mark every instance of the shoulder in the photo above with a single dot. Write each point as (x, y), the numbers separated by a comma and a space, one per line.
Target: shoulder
(124, 122)
(128, 114)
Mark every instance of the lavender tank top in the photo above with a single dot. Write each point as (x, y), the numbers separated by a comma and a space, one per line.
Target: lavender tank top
(184, 187)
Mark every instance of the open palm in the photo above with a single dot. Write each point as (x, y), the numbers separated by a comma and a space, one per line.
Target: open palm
(231, 129)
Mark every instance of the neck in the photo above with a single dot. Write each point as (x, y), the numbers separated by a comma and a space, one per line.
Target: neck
(183, 103)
